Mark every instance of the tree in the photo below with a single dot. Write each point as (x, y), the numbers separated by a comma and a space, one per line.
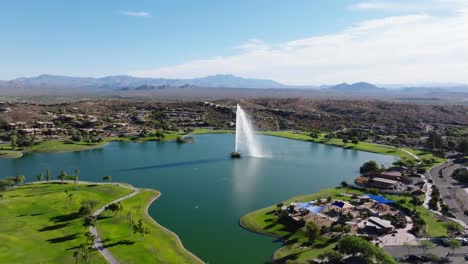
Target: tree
(180, 139)
(454, 244)
(140, 228)
(70, 196)
(87, 207)
(90, 220)
(66, 196)
(425, 245)
(369, 166)
(40, 177)
(14, 141)
(115, 207)
(345, 141)
(19, 179)
(312, 230)
(107, 178)
(330, 257)
(76, 177)
(415, 201)
(434, 141)
(463, 147)
(48, 175)
(1, 196)
(90, 237)
(62, 176)
(460, 175)
(354, 245)
(344, 184)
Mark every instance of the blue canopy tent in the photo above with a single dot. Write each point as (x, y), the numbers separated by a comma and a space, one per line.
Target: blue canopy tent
(304, 205)
(380, 199)
(315, 209)
(338, 204)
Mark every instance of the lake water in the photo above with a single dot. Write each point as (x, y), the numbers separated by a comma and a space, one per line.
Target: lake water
(204, 191)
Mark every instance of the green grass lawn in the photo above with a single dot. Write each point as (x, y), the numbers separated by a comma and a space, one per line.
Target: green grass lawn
(10, 154)
(159, 246)
(264, 221)
(38, 227)
(362, 146)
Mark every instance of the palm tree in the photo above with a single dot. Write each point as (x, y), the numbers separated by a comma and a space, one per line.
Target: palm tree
(39, 177)
(415, 201)
(66, 197)
(70, 196)
(62, 176)
(76, 255)
(75, 180)
(19, 179)
(77, 176)
(48, 176)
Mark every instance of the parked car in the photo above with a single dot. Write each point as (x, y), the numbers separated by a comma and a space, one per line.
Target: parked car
(464, 241)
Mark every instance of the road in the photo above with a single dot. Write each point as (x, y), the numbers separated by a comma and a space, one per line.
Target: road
(401, 251)
(451, 191)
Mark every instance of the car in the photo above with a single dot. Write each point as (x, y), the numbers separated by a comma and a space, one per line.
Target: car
(464, 241)
(466, 256)
(415, 259)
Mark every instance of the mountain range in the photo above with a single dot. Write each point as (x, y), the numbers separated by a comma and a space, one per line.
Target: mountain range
(122, 83)
(125, 81)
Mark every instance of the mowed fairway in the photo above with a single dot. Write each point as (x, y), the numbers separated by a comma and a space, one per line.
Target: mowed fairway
(158, 246)
(37, 226)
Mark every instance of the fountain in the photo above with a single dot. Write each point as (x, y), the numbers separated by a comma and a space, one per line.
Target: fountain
(246, 142)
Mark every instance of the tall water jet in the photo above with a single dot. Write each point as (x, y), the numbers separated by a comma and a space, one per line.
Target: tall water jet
(246, 143)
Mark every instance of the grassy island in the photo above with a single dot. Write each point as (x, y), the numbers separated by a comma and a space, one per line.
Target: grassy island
(297, 245)
(41, 224)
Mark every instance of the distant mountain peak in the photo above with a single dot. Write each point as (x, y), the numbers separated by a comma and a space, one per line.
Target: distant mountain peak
(363, 87)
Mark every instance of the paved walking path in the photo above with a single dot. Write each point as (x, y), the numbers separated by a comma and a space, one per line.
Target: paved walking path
(98, 243)
(401, 236)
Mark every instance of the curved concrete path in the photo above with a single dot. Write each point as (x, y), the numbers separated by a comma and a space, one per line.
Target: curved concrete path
(98, 243)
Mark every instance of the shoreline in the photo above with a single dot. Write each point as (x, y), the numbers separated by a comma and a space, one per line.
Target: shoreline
(81, 146)
(172, 137)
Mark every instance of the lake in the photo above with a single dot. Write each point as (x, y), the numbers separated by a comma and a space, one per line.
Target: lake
(204, 191)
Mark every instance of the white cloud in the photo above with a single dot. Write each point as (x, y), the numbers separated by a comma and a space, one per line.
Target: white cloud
(417, 48)
(135, 13)
(405, 5)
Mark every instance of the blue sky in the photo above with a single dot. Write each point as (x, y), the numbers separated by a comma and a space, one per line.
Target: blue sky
(251, 38)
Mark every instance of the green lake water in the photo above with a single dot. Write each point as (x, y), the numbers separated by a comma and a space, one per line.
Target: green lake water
(204, 191)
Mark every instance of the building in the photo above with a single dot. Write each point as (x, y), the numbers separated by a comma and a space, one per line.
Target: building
(376, 225)
(387, 184)
(391, 175)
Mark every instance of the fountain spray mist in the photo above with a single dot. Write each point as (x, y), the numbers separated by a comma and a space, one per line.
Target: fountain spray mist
(246, 143)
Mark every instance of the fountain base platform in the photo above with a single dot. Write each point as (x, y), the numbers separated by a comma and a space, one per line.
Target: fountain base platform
(235, 155)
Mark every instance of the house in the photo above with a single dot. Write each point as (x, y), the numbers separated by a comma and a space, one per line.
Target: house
(17, 125)
(391, 175)
(387, 184)
(376, 225)
(39, 124)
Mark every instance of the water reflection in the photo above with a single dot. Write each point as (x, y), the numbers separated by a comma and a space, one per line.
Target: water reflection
(176, 164)
(245, 174)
